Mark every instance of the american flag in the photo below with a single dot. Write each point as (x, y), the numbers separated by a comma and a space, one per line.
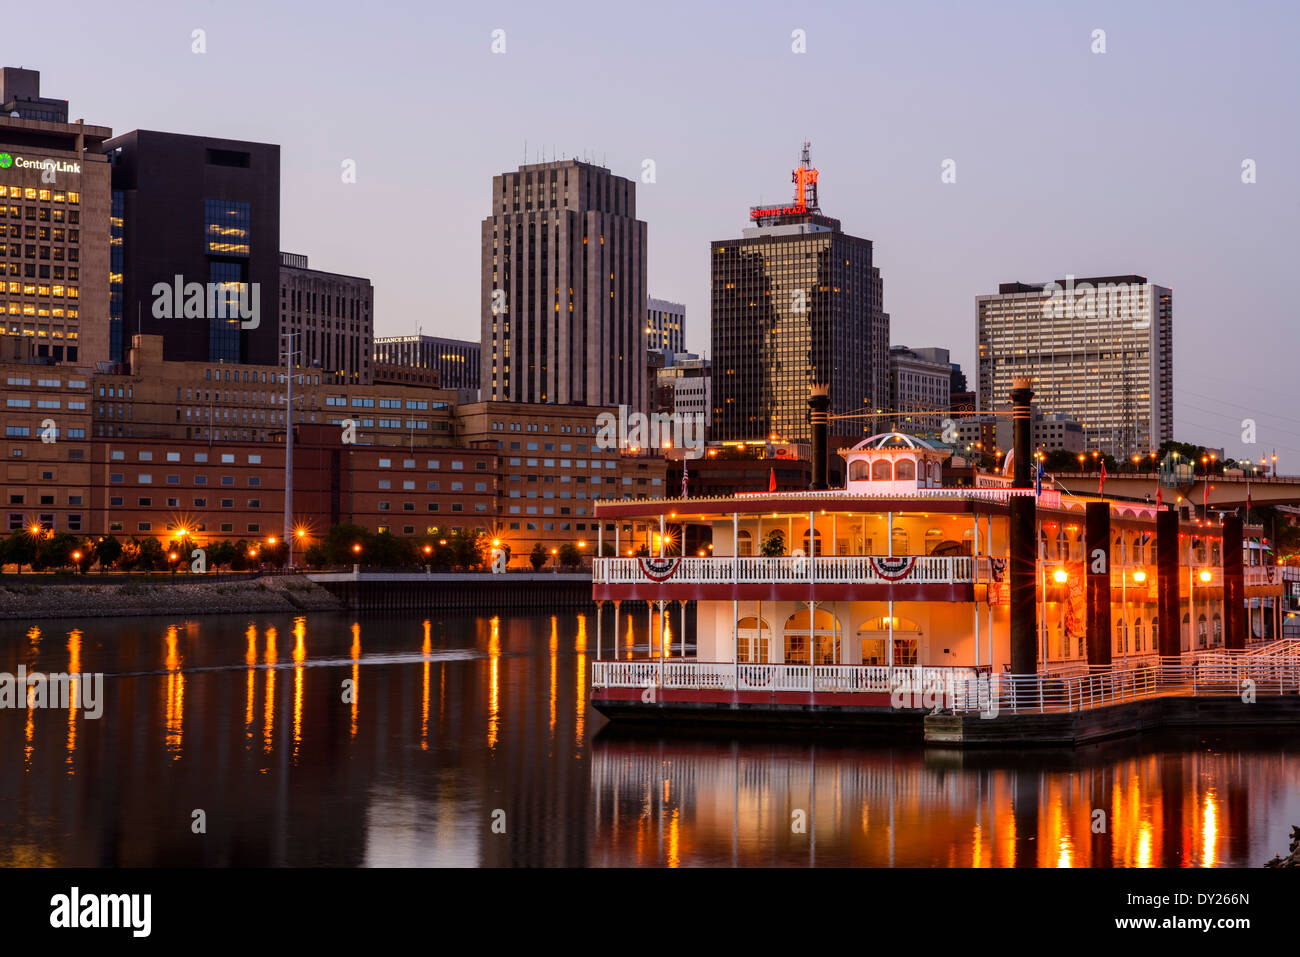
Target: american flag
(685, 473)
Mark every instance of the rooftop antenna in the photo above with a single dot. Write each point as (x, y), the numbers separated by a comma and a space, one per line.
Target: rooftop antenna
(805, 180)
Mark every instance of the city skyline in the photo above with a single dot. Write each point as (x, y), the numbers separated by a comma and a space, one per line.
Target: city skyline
(1098, 207)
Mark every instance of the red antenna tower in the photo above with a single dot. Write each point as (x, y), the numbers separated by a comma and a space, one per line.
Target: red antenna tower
(804, 178)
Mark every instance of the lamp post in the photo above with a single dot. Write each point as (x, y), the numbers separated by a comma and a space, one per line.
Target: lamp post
(289, 354)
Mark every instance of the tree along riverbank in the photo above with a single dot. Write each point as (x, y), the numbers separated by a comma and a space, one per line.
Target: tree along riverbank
(90, 599)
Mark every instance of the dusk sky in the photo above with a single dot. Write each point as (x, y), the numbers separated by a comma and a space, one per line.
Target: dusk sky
(1067, 161)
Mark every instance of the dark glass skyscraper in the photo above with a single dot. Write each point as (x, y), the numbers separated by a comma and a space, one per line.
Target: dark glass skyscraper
(795, 301)
(208, 211)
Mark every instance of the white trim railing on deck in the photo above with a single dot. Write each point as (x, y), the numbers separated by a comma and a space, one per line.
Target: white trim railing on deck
(926, 569)
(964, 690)
(723, 676)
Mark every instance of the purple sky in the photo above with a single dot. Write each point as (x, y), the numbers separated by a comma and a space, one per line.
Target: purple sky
(1068, 161)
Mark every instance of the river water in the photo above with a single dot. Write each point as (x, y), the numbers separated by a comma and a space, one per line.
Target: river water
(327, 740)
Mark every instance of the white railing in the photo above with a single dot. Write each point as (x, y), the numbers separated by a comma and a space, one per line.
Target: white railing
(728, 676)
(1208, 675)
(965, 690)
(925, 569)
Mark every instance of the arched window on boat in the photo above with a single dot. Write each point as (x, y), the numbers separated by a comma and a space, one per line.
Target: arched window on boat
(744, 542)
(860, 471)
(1155, 634)
(900, 540)
(816, 542)
(823, 638)
(1201, 631)
(1137, 635)
(1186, 632)
(1214, 552)
(873, 640)
(1218, 629)
(905, 469)
(933, 536)
(754, 640)
(882, 471)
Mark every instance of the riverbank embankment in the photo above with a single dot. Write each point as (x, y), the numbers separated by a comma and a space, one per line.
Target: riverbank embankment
(108, 599)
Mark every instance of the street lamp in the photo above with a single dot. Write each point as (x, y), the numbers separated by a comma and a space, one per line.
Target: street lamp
(289, 354)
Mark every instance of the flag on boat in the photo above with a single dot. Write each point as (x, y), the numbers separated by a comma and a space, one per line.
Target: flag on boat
(771, 481)
(1101, 484)
(685, 473)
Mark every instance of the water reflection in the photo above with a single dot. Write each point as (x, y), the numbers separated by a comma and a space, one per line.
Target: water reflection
(467, 722)
(1146, 802)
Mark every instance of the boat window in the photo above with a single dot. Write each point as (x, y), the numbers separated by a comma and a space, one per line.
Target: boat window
(754, 637)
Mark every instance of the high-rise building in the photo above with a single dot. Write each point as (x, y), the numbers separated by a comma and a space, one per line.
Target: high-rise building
(920, 383)
(456, 361)
(795, 301)
(330, 318)
(200, 224)
(685, 386)
(54, 225)
(564, 288)
(1098, 350)
(665, 325)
